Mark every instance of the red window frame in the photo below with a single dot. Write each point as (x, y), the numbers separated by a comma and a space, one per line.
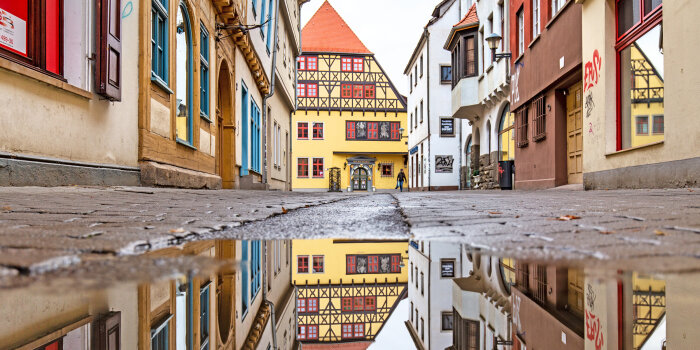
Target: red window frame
(350, 130)
(311, 90)
(303, 130)
(358, 65)
(372, 130)
(301, 90)
(346, 90)
(311, 63)
(357, 91)
(302, 167)
(358, 304)
(311, 304)
(396, 263)
(370, 303)
(346, 64)
(359, 330)
(372, 263)
(347, 331)
(301, 63)
(346, 304)
(301, 305)
(317, 132)
(395, 131)
(312, 332)
(301, 333)
(303, 264)
(317, 167)
(320, 267)
(350, 264)
(369, 91)
(624, 40)
(387, 169)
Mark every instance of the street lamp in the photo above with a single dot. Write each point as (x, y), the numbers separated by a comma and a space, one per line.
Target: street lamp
(494, 40)
(401, 130)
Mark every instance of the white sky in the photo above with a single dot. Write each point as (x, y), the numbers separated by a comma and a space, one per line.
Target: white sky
(389, 28)
(394, 335)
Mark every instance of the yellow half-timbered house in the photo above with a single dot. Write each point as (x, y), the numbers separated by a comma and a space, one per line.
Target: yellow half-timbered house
(345, 289)
(349, 122)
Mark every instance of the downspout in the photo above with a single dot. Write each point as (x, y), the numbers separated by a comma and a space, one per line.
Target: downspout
(291, 128)
(269, 303)
(272, 86)
(427, 82)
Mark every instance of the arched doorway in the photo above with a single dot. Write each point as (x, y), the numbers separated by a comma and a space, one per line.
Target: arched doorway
(226, 138)
(468, 153)
(225, 287)
(506, 135)
(359, 179)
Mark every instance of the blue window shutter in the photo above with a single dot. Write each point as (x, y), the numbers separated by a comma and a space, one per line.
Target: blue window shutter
(204, 71)
(269, 27)
(244, 276)
(244, 123)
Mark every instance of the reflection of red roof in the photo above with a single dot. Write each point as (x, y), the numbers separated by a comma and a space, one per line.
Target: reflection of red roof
(326, 31)
(469, 18)
(360, 345)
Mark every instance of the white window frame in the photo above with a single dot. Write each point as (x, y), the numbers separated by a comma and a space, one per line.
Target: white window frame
(535, 18)
(521, 32)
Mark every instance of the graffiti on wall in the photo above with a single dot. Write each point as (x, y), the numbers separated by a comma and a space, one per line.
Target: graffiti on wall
(515, 92)
(594, 330)
(516, 312)
(128, 9)
(591, 71)
(589, 104)
(443, 164)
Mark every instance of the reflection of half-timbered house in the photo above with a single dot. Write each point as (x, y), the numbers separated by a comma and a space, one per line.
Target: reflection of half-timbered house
(346, 290)
(349, 115)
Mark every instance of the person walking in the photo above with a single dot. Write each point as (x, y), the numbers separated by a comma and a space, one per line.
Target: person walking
(400, 179)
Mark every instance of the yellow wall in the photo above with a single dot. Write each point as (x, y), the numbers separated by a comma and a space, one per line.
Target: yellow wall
(644, 109)
(334, 252)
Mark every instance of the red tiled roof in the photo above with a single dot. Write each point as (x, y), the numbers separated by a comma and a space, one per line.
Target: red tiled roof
(470, 18)
(326, 31)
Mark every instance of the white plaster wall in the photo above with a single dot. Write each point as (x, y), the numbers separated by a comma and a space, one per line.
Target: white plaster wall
(421, 261)
(441, 292)
(243, 74)
(260, 43)
(38, 119)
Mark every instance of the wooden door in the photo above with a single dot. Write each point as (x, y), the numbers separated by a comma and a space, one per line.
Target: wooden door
(359, 181)
(574, 134)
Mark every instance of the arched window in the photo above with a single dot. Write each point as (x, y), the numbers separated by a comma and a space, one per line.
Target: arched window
(507, 267)
(506, 140)
(184, 73)
(468, 152)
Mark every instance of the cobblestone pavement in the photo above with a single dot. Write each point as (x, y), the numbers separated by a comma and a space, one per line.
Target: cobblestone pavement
(61, 230)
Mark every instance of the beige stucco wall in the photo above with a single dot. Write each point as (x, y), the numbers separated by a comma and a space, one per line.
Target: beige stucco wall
(243, 74)
(43, 120)
(682, 135)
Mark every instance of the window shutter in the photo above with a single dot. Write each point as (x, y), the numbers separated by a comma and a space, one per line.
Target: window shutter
(109, 49)
(107, 332)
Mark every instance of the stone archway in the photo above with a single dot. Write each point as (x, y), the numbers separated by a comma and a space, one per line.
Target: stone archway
(225, 293)
(361, 169)
(226, 128)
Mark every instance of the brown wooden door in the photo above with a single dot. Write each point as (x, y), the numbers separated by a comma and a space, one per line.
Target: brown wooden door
(574, 134)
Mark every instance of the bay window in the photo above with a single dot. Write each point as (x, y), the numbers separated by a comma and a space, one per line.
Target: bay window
(464, 57)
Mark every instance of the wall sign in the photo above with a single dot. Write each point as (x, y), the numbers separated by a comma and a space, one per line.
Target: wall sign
(447, 268)
(443, 164)
(447, 127)
(13, 26)
(413, 150)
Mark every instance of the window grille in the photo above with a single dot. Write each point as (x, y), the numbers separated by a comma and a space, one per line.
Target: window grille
(539, 120)
(521, 121)
(540, 292)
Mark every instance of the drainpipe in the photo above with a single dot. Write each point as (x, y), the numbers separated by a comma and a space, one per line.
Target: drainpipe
(291, 126)
(272, 86)
(269, 303)
(427, 82)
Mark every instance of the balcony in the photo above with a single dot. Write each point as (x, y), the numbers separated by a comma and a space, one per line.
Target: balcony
(465, 99)
(494, 84)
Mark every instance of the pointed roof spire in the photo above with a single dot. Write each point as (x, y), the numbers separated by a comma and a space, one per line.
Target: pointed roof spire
(326, 31)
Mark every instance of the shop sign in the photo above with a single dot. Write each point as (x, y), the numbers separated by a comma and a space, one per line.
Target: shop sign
(447, 127)
(13, 26)
(443, 164)
(413, 150)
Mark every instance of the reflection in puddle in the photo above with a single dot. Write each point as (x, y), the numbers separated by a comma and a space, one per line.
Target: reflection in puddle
(353, 294)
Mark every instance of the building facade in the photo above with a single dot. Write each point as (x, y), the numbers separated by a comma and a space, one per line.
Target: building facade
(627, 142)
(346, 290)
(433, 135)
(349, 119)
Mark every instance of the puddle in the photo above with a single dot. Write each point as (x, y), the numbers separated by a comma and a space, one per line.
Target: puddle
(317, 294)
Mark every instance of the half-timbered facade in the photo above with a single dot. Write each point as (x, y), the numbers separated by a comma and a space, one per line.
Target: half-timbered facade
(349, 114)
(346, 290)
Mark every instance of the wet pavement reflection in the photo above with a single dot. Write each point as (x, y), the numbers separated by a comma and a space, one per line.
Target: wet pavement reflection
(344, 294)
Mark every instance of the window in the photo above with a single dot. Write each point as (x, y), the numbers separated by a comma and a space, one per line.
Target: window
(410, 123)
(301, 333)
(415, 73)
(263, 19)
(244, 133)
(318, 131)
(369, 91)
(359, 304)
(422, 284)
(447, 268)
(301, 305)
(410, 82)
(370, 303)
(254, 7)
(415, 116)
(204, 317)
(445, 74)
(521, 122)
(416, 279)
(245, 272)
(642, 125)
(311, 90)
(422, 329)
(350, 264)
(447, 321)
(416, 319)
(303, 131)
(575, 291)
(159, 335)
(255, 139)
(396, 263)
(372, 130)
(421, 66)
(557, 5)
(521, 32)
(184, 73)
(396, 131)
(502, 15)
(465, 335)
(506, 135)
(410, 271)
(312, 305)
(350, 130)
(318, 264)
(302, 167)
(387, 170)
(539, 130)
(658, 126)
(318, 167)
(301, 63)
(301, 90)
(268, 26)
(347, 304)
(204, 72)
(346, 331)
(421, 111)
(535, 18)
(312, 332)
(312, 63)
(346, 64)
(507, 273)
(302, 264)
(346, 91)
(256, 264)
(357, 91)
(358, 65)
(540, 279)
(159, 41)
(373, 264)
(410, 312)
(359, 330)
(33, 41)
(640, 62)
